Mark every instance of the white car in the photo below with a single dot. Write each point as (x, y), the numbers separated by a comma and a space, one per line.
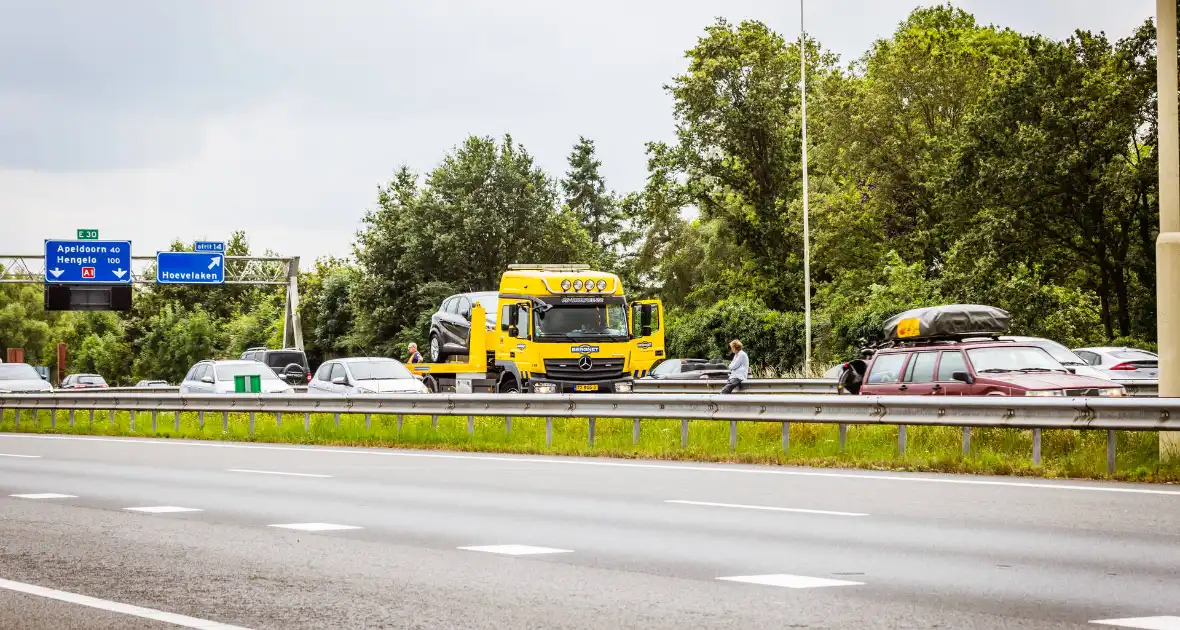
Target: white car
(365, 375)
(22, 378)
(1122, 364)
(217, 377)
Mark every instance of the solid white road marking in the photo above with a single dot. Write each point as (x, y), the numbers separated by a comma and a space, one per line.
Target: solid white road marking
(1124, 489)
(20, 456)
(162, 509)
(1166, 622)
(126, 609)
(315, 527)
(44, 495)
(515, 550)
(276, 472)
(764, 507)
(788, 581)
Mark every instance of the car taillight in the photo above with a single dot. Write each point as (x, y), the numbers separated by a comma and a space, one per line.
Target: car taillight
(1125, 367)
(309, 377)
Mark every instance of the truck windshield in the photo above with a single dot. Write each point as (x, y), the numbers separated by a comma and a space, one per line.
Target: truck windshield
(603, 322)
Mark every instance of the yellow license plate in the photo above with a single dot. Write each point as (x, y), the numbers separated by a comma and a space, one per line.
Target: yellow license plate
(586, 388)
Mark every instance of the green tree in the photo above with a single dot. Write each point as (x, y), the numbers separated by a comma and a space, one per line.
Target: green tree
(588, 199)
(22, 319)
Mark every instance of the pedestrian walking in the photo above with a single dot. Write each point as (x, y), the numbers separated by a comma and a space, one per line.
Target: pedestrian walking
(739, 368)
(415, 357)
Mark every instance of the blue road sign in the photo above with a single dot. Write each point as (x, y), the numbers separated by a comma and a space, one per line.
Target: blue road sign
(86, 262)
(208, 246)
(190, 268)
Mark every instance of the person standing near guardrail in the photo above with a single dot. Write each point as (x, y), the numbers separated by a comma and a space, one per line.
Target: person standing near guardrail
(739, 368)
(415, 356)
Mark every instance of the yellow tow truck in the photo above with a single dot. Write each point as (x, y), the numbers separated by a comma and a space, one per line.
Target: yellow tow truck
(558, 329)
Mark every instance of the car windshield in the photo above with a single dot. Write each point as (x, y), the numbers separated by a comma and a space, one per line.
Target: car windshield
(1013, 359)
(1134, 355)
(281, 360)
(227, 372)
(378, 370)
(91, 380)
(1063, 355)
(18, 372)
(489, 303)
(606, 322)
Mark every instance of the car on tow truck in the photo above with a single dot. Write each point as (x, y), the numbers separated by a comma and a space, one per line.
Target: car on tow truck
(957, 350)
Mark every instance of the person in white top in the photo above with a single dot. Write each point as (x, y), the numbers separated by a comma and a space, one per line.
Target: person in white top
(739, 368)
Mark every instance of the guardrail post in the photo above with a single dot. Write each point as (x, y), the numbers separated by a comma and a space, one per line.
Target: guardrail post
(90, 423)
(71, 418)
(549, 431)
(399, 423)
(18, 412)
(843, 431)
(278, 419)
(470, 425)
(176, 421)
(434, 422)
(733, 435)
(52, 418)
(635, 431)
(251, 423)
(132, 425)
(901, 439)
(786, 436)
(225, 422)
(1110, 445)
(966, 441)
(337, 417)
(368, 421)
(201, 419)
(507, 425)
(111, 418)
(154, 420)
(591, 432)
(684, 434)
(306, 421)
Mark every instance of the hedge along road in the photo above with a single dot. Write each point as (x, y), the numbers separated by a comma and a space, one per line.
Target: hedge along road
(1065, 453)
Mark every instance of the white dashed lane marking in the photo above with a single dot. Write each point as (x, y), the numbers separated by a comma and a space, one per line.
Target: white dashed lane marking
(788, 581)
(314, 527)
(515, 550)
(162, 509)
(20, 456)
(1165, 622)
(44, 495)
(277, 472)
(767, 508)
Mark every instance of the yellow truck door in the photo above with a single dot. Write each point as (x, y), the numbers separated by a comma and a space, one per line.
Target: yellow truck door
(647, 328)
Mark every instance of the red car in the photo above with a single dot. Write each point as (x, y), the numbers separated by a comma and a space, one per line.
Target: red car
(957, 351)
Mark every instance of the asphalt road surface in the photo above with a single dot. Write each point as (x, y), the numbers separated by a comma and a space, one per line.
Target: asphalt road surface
(136, 533)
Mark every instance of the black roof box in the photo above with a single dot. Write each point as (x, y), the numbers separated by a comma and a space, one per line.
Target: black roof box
(941, 322)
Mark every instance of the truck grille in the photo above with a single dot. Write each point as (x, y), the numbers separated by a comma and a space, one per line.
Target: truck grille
(568, 369)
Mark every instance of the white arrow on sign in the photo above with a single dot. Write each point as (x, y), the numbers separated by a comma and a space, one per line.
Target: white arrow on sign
(57, 272)
(214, 262)
(119, 273)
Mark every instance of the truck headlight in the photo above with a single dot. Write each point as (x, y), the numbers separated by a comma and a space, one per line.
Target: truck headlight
(544, 388)
(623, 388)
(1045, 392)
(1112, 391)
(601, 285)
(577, 285)
(565, 285)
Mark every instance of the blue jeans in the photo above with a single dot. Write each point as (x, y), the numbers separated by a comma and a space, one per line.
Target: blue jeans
(731, 385)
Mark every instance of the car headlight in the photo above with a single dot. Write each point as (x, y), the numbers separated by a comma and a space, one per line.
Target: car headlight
(1045, 392)
(601, 285)
(565, 285)
(544, 388)
(1112, 391)
(623, 388)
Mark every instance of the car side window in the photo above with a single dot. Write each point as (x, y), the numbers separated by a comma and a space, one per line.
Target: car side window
(1089, 357)
(338, 371)
(322, 373)
(921, 368)
(886, 369)
(192, 372)
(666, 368)
(465, 308)
(951, 362)
(452, 306)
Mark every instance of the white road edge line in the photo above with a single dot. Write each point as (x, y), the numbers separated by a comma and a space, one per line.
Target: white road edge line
(1166, 622)
(764, 507)
(314, 527)
(162, 509)
(515, 550)
(609, 464)
(20, 456)
(44, 495)
(785, 580)
(183, 621)
(276, 472)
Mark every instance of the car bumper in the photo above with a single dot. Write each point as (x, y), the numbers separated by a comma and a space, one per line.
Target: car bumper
(542, 385)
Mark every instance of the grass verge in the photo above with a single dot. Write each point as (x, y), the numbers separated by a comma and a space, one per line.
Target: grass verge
(1064, 453)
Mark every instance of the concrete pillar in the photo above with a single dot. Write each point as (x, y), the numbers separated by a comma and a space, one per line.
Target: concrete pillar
(1167, 246)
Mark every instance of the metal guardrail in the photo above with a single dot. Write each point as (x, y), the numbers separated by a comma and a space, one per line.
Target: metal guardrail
(1110, 414)
(1138, 389)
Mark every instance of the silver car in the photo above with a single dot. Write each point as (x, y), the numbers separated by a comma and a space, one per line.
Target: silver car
(217, 377)
(21, 378)
(365, 375)
(1122, 364)
(1066, 357)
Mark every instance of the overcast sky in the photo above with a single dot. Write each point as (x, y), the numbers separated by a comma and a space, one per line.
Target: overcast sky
(152, 120)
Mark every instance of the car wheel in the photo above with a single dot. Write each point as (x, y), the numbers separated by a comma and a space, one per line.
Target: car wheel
(509, 385)
(436, 352)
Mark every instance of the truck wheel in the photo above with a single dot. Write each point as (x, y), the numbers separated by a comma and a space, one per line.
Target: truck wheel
(509, 385)
(436, 353)
(431, 383)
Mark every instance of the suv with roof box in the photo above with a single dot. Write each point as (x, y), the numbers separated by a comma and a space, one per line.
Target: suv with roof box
(957, 351)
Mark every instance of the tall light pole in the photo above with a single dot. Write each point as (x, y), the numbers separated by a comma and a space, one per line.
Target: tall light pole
(1167, 245)
(806, 227)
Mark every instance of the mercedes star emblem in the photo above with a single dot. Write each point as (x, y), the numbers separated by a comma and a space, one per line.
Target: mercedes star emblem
(585, 362)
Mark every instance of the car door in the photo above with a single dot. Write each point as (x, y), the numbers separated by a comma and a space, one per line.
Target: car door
(885, 374)
(919, 374)
(338, 371)
(950, 362)
(462, 325)
(320, 382)
(647, 325)
(449, 322)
